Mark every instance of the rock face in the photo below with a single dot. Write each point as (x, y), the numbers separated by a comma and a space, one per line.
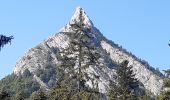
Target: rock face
(45, 53)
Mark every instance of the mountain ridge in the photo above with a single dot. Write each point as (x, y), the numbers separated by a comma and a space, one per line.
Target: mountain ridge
(44, 55)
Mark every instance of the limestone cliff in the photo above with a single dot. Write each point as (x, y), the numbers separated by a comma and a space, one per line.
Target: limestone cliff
(45, 53)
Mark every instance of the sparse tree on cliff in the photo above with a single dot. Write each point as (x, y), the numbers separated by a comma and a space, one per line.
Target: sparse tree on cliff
(80, 55)
(165, 94)
(124, 86)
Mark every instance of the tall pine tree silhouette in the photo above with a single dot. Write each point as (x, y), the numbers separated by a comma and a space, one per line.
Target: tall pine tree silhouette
(81, 52)
(124, 87)
(75, 59)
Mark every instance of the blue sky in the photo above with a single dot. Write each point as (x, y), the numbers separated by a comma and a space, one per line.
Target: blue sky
(140, 26)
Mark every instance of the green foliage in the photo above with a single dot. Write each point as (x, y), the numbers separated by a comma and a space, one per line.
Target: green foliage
(66, 94)
(167, 71)
(73, 61)
(80, 53)
(145, 63)
(113, 91)
(5, 40)
(145, 97)
(167, 82)
(125, 77)
(39, 95)
(124, 87)
(86, 95)
(59, 94)
(20, 95)
(4, 95)
(165, 95)
(48, 75)
(15, 85)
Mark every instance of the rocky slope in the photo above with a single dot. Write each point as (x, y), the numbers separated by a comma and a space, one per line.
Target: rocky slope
(44, 55)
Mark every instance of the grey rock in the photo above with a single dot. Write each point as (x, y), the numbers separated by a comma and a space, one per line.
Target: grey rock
(40, 56)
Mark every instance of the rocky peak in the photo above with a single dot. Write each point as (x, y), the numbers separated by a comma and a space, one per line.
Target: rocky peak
(80, 15)
(44, 56)
(80, 18)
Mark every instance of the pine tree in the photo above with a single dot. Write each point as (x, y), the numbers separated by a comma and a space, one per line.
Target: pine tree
(124, 86)
(165, 94)
(81, 52)
(59, 94)
(4, 95)
(5, 40)
(75, 59)
(39, 95)
(20, 96)
(113, 91)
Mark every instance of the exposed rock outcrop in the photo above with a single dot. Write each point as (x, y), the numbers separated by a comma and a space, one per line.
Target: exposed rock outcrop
(45, 53)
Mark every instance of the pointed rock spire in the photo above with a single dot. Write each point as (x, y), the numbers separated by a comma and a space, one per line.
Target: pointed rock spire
(80, 15)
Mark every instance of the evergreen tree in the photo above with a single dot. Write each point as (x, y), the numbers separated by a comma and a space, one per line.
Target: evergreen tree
(65, 94)
(18, 86)
(60, 94)
(113, 91)
(4, 95)
(124, 86)
(81, 53)
(165, 94)
(20, 96)
(87, 95)
(39, 95)
(5, 40)
(73, 62)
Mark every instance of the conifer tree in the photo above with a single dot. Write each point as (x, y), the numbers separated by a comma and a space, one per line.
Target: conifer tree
(39, 95)
(165, 94)
(5, 40)
(20, 96)
(81, 53)
(75, 59)
(124, 86)
(4, 95)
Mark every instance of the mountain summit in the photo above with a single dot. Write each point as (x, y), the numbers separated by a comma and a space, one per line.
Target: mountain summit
(41, 61)
(81, 14)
